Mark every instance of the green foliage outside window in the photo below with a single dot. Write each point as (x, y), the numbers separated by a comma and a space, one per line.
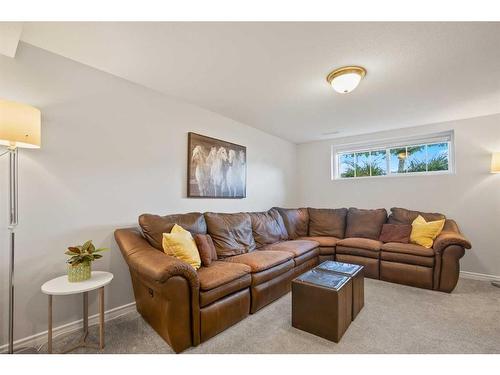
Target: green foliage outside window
(411, 159)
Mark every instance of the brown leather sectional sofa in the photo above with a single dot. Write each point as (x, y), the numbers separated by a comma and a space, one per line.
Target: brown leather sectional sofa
(259, 253)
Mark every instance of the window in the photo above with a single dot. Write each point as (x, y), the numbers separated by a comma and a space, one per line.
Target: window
(412, 156)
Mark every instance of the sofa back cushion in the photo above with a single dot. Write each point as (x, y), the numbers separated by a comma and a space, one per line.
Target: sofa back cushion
(365, 223)
(231, 233)
(296, 221)
(153, 226)
(403, 216)
(206, 248)
(327, 222)
(395, 233)
(268, 227)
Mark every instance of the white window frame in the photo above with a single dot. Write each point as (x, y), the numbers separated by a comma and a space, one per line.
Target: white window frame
(387, 144)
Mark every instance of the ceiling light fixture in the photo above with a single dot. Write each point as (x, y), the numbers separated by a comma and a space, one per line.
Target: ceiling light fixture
(346, 79)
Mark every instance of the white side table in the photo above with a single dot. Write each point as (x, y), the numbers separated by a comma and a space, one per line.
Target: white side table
(60, 286)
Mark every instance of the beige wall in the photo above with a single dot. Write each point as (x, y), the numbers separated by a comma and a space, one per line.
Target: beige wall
(111, 150)
(471, 196)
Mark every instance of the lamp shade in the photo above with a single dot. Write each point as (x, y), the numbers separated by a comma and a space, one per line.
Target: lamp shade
(20, 125)
(495, 162)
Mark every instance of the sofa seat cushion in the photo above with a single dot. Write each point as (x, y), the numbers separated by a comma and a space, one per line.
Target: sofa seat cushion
(261, 260)
(360, 243)
(209, 296)
(296, 247)
(272, 273)
(362, 247)
(407, 259)
(314, 253)
(407, 248)
(324, 241)
(219, 273)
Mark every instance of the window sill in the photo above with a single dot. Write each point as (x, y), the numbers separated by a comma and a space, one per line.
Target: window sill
(417, 174)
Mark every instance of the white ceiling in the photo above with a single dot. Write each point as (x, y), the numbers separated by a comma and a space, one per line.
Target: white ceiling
(272, 75)
(10, 32)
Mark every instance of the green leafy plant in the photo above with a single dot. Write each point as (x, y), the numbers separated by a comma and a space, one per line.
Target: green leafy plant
(363, 168)
(437, 163)
(85, 253)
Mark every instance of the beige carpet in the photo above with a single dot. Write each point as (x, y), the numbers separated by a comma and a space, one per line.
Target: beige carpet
(395, 319)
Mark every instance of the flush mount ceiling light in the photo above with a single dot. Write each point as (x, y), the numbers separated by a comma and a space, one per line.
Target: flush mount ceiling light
(346, 79)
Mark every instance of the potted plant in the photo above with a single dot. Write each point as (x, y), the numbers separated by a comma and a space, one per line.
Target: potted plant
(80, 259)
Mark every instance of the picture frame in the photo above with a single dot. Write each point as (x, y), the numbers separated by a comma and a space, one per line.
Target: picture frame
(216, 168)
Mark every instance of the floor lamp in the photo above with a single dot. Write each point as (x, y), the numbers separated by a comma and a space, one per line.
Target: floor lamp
(20, 127)
(495, 168)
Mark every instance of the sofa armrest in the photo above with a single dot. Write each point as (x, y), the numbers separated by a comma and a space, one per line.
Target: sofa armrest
(450, 236)
(449, 247)
(149, 262)
(166, 290)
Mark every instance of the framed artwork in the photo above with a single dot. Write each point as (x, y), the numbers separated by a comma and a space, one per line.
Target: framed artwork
(216, 168)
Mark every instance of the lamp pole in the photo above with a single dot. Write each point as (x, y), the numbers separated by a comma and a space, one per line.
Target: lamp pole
(20, 126)
(13, 216)
(13, 219)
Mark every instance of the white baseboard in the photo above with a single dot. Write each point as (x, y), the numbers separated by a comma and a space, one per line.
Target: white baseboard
(478, 276)
(39, 339)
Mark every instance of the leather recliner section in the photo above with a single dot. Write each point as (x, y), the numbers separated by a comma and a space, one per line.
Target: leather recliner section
(270, 272)
(408, 254)
(265, 293)
(360, 251)
(260, 253)
(221, 279)
(224, 313)
(408, 274)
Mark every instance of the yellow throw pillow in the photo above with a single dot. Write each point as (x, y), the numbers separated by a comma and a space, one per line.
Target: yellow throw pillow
(180, 244)
(423, 233)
